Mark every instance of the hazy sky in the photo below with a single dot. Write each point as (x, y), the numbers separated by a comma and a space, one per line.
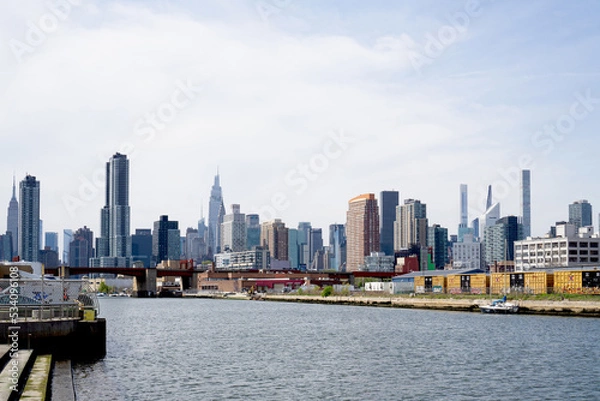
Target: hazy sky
(301, 105)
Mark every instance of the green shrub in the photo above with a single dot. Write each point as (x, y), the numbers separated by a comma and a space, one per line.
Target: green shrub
(327, 291)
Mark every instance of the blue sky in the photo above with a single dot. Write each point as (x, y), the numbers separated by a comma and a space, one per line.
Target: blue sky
(301, 104)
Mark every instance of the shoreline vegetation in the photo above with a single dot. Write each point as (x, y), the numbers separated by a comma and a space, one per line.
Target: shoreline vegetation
(546, 304)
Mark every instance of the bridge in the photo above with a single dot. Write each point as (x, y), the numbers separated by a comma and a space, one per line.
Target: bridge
(144, 279)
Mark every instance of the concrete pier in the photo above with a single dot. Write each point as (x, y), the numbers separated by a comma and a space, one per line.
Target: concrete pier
(62, 382)
(555, 308)
(63, 338)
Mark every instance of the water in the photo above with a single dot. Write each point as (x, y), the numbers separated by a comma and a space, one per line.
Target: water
(195, 349)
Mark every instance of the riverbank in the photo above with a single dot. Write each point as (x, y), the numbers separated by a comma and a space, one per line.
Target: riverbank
(556, 308)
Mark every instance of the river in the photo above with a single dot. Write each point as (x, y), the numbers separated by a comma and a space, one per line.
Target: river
(202, 349)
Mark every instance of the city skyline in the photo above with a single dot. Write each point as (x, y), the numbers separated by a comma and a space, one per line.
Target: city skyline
(299, 113)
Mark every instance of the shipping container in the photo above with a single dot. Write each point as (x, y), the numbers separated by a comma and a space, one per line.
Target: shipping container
(424, 284)
(577, 281)
(521, 282)
(538, 282)
(467, 283)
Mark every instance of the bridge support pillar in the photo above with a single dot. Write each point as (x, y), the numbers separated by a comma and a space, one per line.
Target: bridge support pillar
(64, 271)
(145, 287)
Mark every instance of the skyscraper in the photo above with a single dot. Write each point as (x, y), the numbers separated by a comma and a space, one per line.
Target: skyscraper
(316, 241)
(29, 219)
(337, 246)
(67, 238)
(165, 240)
(526, 202)
(215, 209)
(51, 241)
(387, 209)
(580, 213)
(463, 226)
(464, 206)
(141, 246)
(437, 239)
(305, 259)
(274, 236)
(114, 245)
(252, 231)
(500, 239)
(293, 248)
(12, 220)
(411, 224)
(362, 230)
(81, 248)
(233, 230)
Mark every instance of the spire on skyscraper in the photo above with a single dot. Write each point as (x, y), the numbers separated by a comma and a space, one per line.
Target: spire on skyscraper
(488, 202)
(14, 195)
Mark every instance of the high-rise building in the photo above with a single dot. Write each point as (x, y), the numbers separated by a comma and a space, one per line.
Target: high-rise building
(252, 231)
(193, 245)
(12, 220)
(475, 228)
(293, 248)
(388, 202)
(274, 237)
(113, 247)
(467, 254)
(6, 252)
(203, 237)
(81, 248)
(233, 230)
(411, 224)
(29, 219)
(362, 230)
(141, 246)
(491, 214)
(526, 202)
(500, 239)
(165, 240)
(337, 247)
(51, 241)
(464, 205)
(316, 241)
(463, 226)
(67, 238)
(437, 240)
(215, 209)
(304, 228)
(580, 213)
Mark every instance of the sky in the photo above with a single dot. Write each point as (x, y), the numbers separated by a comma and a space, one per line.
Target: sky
(300, 105)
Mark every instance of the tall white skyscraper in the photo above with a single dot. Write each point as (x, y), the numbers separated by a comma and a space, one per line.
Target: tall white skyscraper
(12, 220)
(526, 202)
(464, 206)
(216, 210)
(29, 219)
(463, 226)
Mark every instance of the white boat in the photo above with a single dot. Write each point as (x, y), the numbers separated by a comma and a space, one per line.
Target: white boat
(500, 306)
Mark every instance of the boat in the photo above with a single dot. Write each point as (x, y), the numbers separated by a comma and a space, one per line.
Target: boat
(499, 306)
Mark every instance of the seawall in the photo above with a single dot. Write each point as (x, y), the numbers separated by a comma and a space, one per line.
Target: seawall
(556, 308)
